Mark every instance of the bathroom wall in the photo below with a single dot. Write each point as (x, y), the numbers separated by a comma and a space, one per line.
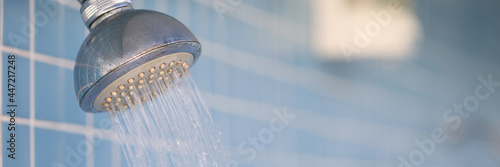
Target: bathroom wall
(275, 102)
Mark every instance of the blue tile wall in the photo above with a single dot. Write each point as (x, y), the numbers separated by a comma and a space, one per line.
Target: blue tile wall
(22, 85)
(16, 29)
(59, 148)
(363, 113)
(22, 146)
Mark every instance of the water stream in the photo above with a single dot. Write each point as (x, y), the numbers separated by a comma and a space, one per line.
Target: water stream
(169, 125)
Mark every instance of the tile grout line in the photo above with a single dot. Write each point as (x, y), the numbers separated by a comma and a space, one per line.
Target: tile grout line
(217, 102)
(63, 127)
(71, 128)
(183, 12)
(219, 53)
(139, 4)
(259, 14)
(70, 3)
(161, 5)
(89, 118)
(256, 17)
(32, 83)
(89, 136)
(1, 75)
(218, 47)
(56, 61)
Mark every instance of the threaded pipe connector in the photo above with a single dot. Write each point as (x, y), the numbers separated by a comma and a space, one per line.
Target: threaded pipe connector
(91, 10)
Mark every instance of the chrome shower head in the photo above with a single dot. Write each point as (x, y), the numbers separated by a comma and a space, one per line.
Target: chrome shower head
(124, 47)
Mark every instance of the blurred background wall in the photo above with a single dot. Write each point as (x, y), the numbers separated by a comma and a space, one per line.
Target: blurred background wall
(349, 86)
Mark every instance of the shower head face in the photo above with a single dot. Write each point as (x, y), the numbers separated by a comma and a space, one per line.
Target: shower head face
(159, 69)
(124, 45)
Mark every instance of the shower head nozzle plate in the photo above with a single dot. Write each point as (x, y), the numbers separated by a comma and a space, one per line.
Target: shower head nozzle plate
(124, 86)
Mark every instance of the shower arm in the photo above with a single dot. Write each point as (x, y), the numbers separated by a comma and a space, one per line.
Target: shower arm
(95, 11)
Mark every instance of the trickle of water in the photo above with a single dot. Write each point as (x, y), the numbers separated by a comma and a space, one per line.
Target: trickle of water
(166, 123)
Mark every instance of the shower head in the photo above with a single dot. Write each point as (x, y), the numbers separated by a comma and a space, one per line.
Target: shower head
(125, 49)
